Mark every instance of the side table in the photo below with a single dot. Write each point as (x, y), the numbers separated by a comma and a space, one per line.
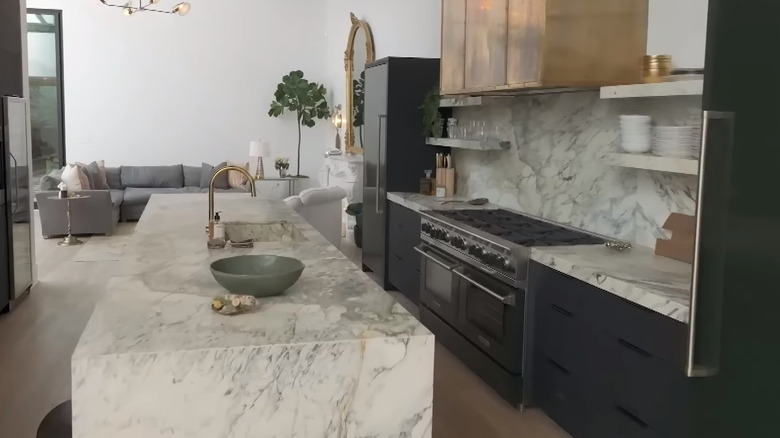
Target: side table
(291, 180)
(70, 239)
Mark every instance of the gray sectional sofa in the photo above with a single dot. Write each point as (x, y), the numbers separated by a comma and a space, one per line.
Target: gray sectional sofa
(130, 190)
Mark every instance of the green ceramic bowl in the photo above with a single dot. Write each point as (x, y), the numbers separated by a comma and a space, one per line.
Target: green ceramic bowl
(257, 275)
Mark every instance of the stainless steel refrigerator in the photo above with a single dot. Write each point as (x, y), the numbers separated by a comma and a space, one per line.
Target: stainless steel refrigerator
(16, 266)
(733, 356)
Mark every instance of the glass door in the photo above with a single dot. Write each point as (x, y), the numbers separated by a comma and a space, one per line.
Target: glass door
(44, 50)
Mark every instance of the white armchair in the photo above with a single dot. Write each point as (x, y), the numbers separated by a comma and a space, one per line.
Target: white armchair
(321, 207)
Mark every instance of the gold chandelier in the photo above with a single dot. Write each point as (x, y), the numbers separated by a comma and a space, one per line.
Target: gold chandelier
(130, 9)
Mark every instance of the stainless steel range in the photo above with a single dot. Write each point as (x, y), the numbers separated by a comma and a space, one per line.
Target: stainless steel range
(474, 274)
(498, 242)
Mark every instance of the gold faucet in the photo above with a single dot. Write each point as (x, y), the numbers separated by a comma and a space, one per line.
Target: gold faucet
(250, 178)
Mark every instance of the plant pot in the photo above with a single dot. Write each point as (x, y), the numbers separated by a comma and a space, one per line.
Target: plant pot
(437, 128)
(358, 236)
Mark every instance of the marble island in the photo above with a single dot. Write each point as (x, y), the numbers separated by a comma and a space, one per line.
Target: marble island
(334, 356)
(637, 275)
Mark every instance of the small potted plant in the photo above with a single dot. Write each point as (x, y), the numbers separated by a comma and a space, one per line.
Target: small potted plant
(282, 164)
(356, 210)
(433, 123)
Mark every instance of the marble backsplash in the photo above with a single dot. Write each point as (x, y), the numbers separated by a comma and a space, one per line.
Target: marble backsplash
(555, 167)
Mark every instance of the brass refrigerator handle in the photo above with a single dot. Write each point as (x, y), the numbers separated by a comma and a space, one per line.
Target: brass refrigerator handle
(692, 368)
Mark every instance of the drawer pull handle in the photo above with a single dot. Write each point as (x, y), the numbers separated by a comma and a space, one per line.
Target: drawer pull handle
(397, 256)
(559, 366)
(485, 343)
(632, 417)
(562, 310)
(633, 347)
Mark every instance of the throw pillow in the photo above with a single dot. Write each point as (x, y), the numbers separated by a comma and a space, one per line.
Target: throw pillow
(96, 171)
(83, 170)
(236, 178)
(192, 176)
(114, 177)
(51, 180)
(75, 179)
(207, 171)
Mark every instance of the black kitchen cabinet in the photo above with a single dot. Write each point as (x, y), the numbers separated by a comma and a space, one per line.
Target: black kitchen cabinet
(395, 155)
(403, 267)
(603, 366)
(11, 55)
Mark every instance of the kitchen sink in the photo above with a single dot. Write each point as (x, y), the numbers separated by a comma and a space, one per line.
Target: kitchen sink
(278, 231)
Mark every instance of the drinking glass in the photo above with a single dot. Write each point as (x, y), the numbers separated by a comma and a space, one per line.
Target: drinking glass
(452, 128)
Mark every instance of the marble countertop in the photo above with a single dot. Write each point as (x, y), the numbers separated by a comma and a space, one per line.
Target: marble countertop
(159, 299)
(637, 275)
(418, 202)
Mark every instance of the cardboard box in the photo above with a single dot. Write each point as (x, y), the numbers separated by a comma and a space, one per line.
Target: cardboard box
(680, 246)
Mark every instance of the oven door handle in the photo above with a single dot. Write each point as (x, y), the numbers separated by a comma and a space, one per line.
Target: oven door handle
(423, 252)
(509, 300)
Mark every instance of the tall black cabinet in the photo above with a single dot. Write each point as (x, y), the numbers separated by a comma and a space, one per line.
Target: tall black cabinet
(11, 55)
(395, 153)
(11, 83)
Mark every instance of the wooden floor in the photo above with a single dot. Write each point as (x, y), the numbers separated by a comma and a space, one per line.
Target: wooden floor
(38, 338)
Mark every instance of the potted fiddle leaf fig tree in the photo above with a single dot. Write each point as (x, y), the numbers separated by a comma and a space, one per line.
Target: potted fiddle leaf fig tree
(303, 98)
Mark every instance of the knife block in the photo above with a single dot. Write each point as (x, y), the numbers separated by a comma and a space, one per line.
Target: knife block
(449, 181)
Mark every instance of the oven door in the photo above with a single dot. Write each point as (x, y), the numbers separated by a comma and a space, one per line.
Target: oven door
(492, 316)
(439, 285)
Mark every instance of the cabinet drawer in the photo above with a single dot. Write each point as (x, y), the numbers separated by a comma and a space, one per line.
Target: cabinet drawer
(615, 421)
(404, 274)
(403, 219)
(555, 289)
(651, 389)
(660, 335)
(580, 348)
(402, 244)
(558, 396)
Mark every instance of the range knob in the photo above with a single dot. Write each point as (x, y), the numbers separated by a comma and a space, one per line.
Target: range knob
(455, 241)
(504, 263)
(426, 228)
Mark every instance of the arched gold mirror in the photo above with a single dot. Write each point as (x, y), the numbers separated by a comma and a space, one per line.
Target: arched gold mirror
(360, 51)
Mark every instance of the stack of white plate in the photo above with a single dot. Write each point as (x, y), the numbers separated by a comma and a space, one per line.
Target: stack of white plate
(674, 141)
(635, 133)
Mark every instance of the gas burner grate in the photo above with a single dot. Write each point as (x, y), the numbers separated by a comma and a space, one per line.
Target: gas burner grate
(519, 229)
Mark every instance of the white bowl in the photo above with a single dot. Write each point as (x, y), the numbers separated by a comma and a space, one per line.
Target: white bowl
(634, 117)
(635, 147)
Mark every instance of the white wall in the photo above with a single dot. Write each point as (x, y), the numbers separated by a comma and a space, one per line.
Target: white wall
(678, 28)
(164, 89)
(408, 28)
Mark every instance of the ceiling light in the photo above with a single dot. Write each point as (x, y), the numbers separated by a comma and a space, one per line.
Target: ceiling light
(182, 8)
(134, 6)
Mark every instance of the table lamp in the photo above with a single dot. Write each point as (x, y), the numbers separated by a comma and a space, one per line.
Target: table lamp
(259, 149)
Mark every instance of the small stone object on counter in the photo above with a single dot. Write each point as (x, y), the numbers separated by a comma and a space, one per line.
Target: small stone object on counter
(232, 304)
